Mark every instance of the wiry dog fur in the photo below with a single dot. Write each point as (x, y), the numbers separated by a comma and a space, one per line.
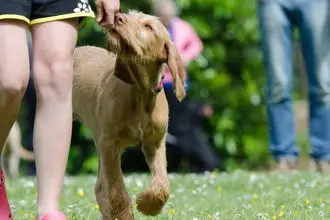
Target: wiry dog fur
(118, 96)
(16, 151)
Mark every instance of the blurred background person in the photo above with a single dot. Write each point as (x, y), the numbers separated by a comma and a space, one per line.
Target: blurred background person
(186, 117)
(277, 19)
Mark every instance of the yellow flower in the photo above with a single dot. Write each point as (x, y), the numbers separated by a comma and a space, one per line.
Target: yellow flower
(281, 214)
(209, 216)
(32, 217)
(296, 212)
(307, 201)
(219, 189)
(274, 217)
(171, 212)
(97, 206)
(255, 196)
(80, 192)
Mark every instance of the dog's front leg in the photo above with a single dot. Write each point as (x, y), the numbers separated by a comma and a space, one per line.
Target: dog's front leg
(111, 194)
(152, 200)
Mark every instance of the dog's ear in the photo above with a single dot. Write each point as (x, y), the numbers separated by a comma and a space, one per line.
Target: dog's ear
(175, 64)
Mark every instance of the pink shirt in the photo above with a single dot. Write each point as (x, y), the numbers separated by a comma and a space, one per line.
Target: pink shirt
(186, 41)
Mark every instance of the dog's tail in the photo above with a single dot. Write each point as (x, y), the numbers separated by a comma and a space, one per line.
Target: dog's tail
(14, 142)
(151, 201)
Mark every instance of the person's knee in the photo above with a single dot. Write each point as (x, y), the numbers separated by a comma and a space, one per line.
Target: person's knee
(278, 91)
(13, 83)
(320, 95)
(53, 76)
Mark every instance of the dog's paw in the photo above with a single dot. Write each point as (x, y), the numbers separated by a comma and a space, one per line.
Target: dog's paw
(150, 202)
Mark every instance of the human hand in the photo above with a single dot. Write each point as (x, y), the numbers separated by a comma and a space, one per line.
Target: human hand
(106, 10)
(207, 110)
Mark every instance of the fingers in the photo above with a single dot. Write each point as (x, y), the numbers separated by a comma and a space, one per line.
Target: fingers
(106, 12)
(110, 17)
(100, 11)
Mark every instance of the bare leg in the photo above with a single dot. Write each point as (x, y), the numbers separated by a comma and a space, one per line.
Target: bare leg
(14, 74)
(53, 45)
(152, 201)
(110, 190)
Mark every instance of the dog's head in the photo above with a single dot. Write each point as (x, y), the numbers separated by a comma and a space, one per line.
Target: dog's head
(144, 40)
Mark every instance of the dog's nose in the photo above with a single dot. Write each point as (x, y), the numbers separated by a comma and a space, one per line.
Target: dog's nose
(120, 19)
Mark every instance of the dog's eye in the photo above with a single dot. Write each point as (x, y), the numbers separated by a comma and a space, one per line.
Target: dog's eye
(148, 26)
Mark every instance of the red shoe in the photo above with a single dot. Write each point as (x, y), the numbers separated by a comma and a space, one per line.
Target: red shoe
(5, 212)
(53, 216)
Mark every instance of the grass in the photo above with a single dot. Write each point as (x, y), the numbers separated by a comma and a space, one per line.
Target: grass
(236, 195)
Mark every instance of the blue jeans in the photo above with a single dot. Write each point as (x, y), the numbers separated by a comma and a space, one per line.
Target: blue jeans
(312, 18)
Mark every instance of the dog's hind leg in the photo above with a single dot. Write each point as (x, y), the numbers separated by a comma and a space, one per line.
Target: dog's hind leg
(152, 200)
(111, 194)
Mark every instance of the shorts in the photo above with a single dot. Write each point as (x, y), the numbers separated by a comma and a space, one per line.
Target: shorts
(41, 11)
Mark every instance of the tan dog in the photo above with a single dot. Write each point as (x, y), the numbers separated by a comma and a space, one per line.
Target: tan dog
(119, 97)
(16, 151)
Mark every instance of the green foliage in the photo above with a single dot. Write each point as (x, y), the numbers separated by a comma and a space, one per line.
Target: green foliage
(229, 74)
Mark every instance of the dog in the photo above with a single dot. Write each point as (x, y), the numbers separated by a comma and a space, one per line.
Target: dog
(16, 151)
(118, 95)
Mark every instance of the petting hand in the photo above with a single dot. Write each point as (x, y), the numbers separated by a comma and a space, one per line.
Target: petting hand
(106, 10)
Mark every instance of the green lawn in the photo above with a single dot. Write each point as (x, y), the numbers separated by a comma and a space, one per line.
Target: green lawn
(237, 195)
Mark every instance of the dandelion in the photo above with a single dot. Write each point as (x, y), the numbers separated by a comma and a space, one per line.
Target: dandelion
(171, 211)
(307, 201)
(296, 212)
(97, 207)
(219, 189)
(255, 196)
(274, 217)
(80, 192)
(281, 214)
